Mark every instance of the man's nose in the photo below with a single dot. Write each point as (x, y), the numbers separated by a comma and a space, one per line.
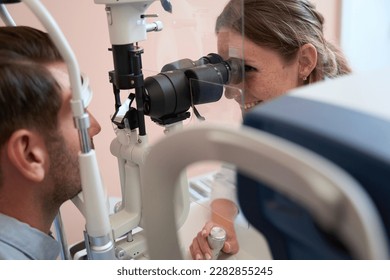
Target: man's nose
(95, 127)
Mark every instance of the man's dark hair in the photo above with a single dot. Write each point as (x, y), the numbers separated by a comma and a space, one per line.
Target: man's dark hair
(30, 97)
(25, 100)
(29, 42)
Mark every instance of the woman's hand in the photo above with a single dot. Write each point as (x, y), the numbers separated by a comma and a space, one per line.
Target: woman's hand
(200, 249)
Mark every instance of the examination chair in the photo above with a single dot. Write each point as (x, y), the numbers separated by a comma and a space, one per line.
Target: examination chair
(354, 139)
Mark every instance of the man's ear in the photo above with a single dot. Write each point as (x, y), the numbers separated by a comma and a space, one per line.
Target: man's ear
(27, 152)
(307, 60)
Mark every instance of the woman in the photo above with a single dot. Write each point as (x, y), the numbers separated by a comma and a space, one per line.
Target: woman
(283, 48)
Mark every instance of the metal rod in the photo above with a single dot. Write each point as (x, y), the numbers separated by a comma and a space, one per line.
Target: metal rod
(60, 234)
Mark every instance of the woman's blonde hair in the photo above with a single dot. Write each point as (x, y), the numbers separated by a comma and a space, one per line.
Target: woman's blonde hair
(285, 26)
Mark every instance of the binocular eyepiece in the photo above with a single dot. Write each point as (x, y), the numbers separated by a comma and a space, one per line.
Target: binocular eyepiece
(184, 83)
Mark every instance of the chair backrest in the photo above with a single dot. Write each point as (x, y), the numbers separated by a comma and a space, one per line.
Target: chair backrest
(357, 142)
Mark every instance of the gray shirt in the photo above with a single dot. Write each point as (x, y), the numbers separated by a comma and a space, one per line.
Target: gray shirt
(19, 241)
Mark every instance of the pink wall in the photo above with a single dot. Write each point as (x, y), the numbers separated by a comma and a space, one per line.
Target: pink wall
(331, 9)
(187, 33)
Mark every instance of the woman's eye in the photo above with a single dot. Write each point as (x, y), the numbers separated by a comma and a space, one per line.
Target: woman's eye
(249, 68)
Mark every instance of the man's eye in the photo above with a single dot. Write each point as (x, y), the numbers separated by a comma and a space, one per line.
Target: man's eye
(249, 68)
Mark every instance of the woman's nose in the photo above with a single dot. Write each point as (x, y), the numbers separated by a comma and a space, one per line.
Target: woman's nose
(235, 93)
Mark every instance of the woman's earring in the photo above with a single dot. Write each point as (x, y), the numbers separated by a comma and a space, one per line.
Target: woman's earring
(305, 78)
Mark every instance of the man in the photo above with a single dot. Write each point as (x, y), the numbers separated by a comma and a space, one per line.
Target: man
(39, 145)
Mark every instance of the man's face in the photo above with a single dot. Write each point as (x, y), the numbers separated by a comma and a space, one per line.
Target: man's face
(64, 146)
